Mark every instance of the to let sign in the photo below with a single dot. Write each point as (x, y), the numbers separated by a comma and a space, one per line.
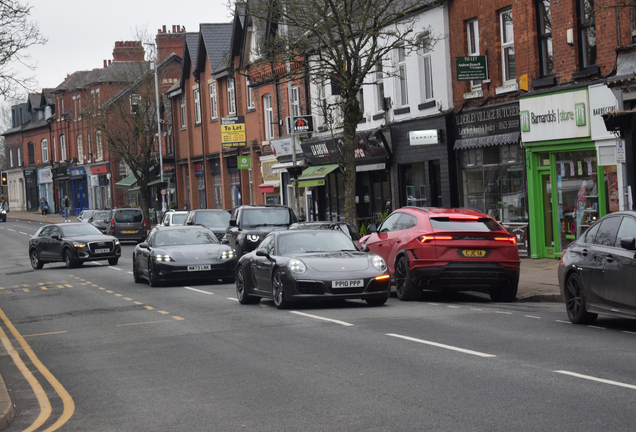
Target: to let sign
(233, 132)
(471, 68)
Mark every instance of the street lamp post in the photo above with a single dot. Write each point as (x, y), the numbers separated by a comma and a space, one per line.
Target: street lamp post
(154, 66)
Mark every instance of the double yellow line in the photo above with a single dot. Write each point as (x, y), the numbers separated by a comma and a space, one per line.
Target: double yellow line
(43, 400)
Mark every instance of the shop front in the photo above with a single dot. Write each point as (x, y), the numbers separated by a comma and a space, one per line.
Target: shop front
(100, 187)
(79, 189)
(566, 185)
(324, 184)
(62, 184)
(492, 166)
(235, 180)
(45, 184)
(270, 188)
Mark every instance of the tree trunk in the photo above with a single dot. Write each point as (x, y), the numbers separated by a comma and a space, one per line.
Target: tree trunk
(352, 116)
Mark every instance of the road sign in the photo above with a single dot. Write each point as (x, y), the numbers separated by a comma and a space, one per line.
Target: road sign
(163, 192)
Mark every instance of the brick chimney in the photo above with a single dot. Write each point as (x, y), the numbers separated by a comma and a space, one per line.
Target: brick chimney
(168, 43)
(128, 51)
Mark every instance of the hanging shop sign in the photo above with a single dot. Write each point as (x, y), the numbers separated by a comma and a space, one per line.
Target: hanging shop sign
(244, 162)
(45, 175)
(302, 124)
(283, 147)
(369, 148)
(233, 132)
(471, 68)
(198, 168)
(556, 116)
(602, 101)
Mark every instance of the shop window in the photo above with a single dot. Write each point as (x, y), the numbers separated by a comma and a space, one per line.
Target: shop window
(218, 191)
(414, 181)
(491, 155)
(612, 201)
(235, 188)
(201, 191)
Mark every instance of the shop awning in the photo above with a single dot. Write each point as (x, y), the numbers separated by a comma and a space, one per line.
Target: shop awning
(485, 141)
(269, 186)
(154, 182)
(317, 172)
(127, 182)
(312, 183)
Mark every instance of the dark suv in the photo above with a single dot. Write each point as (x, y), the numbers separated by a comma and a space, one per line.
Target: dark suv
(249, 224)
(127, 224)
(217, 220)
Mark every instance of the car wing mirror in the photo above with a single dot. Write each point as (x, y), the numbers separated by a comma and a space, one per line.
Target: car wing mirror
(262, 253)
(363, 248)
(143, 245)
(232, 222)
(372, 228)
(55, 236)
(628, 243)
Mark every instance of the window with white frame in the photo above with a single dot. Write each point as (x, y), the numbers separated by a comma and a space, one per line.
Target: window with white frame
(426, 71)
(135, 102)
(80, 150)
(379, 87)
(231, 97)
(214, 107)
(183, 112)
(402, 84)
(97, 103)
(44, 145)
(11, 158)
(507, 46)
(472, 34)
(360, 97)
(54, 151)
(197, 106)
(268, 114)
(250, 94)
(62, 148)
(19, 159)
(98, 145)
(295, 98)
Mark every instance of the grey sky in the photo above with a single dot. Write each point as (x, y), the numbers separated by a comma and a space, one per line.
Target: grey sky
(81, 34)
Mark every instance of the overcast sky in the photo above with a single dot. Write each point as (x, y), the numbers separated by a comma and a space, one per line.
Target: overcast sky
(81, 34)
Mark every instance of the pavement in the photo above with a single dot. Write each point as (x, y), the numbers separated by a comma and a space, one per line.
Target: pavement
(537, 283)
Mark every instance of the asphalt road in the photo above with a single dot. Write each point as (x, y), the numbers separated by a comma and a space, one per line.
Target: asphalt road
(107, 354)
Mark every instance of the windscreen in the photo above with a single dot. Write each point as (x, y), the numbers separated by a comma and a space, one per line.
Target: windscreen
(214, 220)
(314, 241)
(100, 216)
(129, 216)
(468, 224)
(179, 237)
(179, 219)
(266, 217)
(79, 230)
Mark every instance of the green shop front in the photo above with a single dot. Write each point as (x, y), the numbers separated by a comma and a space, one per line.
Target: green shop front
(566, 186)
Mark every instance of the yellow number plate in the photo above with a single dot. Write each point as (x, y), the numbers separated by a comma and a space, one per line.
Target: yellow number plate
(474, 253)
(129, 232)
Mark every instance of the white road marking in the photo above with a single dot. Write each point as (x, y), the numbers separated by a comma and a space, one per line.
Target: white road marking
(628, 332)
(129, 272)
(439, 345)
(233, 299)
(597, 327)
(532, 316)
(504, 313)
(97, 262)
(564, 322)
(434, 304)
(9, 229)
(114, 268)
(322, 318)
(197, 290)
(601, 380)
(23, 233)
(454, 307)
(476, 309)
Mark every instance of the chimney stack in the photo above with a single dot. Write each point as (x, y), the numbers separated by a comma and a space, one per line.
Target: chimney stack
(105, 63)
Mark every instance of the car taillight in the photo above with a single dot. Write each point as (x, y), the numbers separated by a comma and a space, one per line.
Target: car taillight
(512, 240)
(112, 224)
(463, 217)
(425, 239)
(144, 224)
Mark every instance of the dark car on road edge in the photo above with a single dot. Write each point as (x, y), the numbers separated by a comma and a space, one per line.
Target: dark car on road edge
(249, 224)
(74, 244)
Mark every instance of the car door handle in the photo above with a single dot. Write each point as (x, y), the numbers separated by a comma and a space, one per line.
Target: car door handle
(584, 252)
(609, 258)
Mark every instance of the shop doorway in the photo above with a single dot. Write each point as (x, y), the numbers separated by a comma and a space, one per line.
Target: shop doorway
(548, 220)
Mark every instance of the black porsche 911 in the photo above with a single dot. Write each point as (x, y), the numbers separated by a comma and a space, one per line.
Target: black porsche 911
(73, 243)
(180, 253)
(311, 265)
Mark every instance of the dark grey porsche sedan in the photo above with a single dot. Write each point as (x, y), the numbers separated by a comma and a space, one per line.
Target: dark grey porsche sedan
(298, 265)
(181, 253)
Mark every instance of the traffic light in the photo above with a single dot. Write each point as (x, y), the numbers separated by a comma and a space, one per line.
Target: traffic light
(4, 178)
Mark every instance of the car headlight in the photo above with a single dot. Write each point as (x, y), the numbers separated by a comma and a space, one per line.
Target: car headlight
(116, 242)
(163, 258)
(378, 263)
(79, 244)
(227, 254)
(253, 238)
(297, 266)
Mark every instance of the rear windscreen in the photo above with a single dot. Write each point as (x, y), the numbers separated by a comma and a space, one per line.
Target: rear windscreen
(481, 224)
(129, 216)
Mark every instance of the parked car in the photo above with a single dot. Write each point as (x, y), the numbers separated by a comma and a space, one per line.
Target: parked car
(181, 253)
(98, 220)
(597, 271)
(217, 220)
(3, 215)
(73, 243)
(294, 265)
(446, 249)
(345, 227)
(249, 224)
(174, 217)
(85, 215)
(127, 224)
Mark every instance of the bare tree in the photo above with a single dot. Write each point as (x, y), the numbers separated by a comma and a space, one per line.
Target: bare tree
(340, 42)
(17, 33)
